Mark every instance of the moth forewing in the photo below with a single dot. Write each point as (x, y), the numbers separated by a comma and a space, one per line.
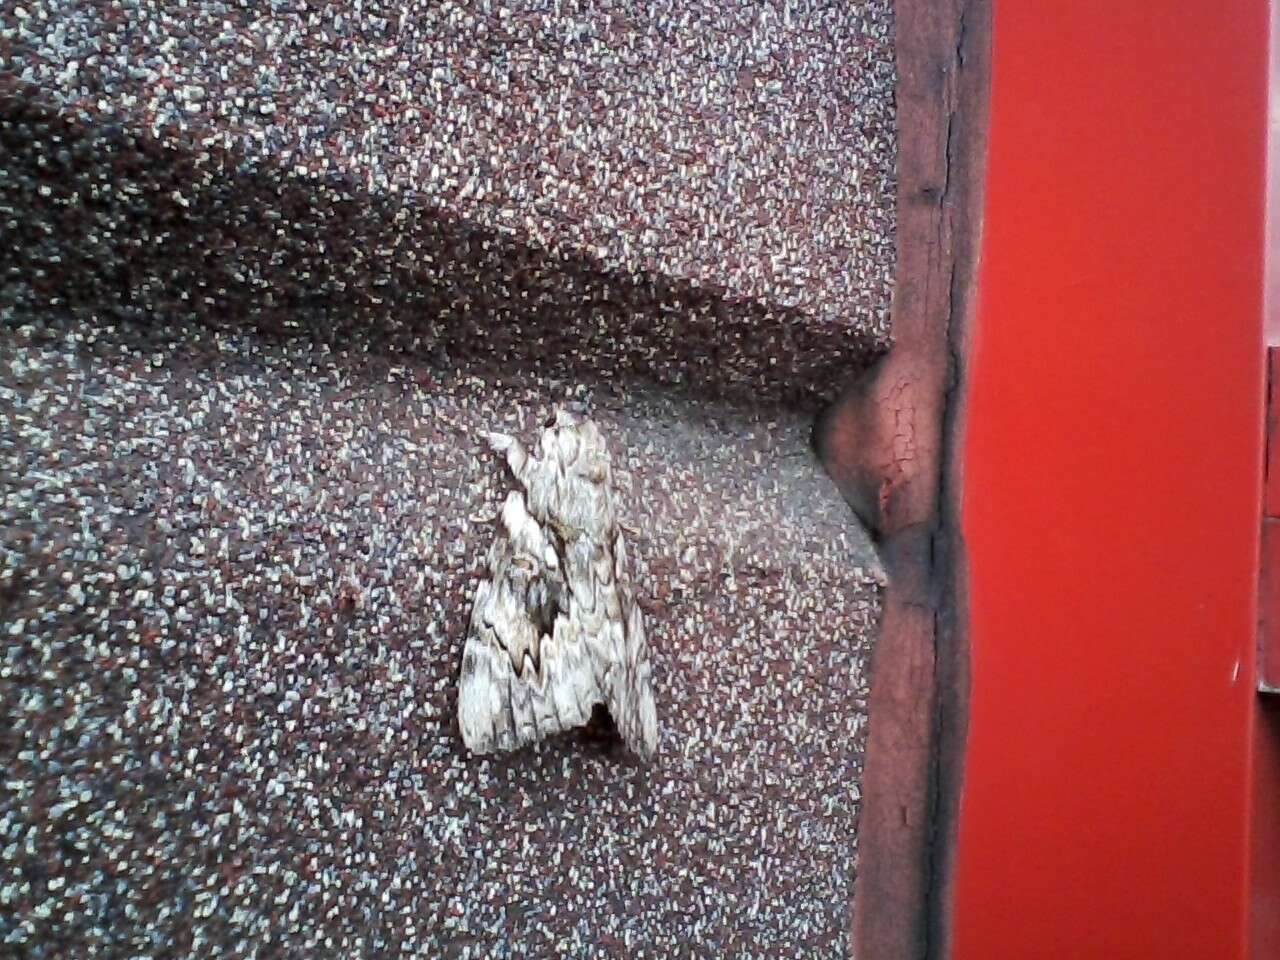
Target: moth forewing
(555, 630)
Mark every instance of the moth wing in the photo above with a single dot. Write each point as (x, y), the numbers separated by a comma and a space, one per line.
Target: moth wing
(556, 630)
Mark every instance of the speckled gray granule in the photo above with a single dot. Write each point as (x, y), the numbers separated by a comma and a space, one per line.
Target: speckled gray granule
(273, 269)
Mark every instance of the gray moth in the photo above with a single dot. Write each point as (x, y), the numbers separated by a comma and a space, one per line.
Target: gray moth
(555, 629)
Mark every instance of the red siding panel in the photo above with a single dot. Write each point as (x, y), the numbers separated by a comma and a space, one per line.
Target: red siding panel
(1113, 484)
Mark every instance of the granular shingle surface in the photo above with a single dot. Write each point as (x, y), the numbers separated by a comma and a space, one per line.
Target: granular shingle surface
(236, 580)
(275, 267)
(698, 192)
(746, 146)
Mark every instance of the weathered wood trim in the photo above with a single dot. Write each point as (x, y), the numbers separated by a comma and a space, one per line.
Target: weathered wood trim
(888, 445)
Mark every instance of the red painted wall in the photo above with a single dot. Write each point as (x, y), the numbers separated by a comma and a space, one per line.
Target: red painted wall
(1112, 471)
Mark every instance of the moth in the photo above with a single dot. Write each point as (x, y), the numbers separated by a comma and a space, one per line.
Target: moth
(555, 629)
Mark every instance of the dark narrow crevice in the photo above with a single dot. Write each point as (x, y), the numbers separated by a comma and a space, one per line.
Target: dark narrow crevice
(965, 149)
